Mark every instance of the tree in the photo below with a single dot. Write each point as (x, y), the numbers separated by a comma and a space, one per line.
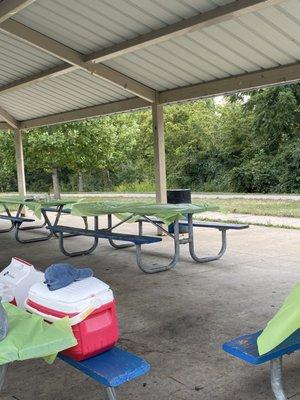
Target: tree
(47, 149)
(8, 162)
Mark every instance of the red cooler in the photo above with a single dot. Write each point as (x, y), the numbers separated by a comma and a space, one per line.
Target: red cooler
(89, 304)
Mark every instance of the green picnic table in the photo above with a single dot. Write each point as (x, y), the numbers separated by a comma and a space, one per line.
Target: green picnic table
(156, 214)
(14, 206)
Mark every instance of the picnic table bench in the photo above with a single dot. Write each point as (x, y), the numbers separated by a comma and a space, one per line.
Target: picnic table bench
(156, 214)
(98, 234)
(223, 227)
(14, 221)
(245, 348)
(111, 369)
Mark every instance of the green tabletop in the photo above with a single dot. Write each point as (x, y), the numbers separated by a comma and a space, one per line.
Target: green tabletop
(34, 204)
(167, 212)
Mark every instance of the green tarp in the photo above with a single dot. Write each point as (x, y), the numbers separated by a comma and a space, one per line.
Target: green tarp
(29, 336)
(33, 205)
(84, 207)
(283, 324)
(167, 212)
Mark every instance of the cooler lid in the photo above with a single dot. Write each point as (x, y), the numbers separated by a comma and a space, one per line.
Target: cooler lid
(72, 298)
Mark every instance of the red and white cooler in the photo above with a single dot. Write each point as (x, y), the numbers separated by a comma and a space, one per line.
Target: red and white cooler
(89, 304)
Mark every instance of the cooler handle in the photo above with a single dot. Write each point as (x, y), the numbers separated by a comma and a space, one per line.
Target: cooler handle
(73, 320)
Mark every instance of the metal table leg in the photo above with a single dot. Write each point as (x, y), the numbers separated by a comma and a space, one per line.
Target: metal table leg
(111, 241)
(111, 393)
(192, 244)
(28, 228)
(154, 268)
(276, 379)
(81, 252)
(3, 370)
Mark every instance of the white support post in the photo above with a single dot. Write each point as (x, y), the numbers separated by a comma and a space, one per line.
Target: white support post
(20, 163)
(159, 153)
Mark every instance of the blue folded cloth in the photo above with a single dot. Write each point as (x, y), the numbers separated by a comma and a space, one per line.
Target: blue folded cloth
(58, 276)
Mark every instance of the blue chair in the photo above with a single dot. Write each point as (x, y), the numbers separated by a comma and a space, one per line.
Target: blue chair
(111, 369)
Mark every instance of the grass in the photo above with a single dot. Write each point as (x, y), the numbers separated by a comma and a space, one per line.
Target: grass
(275, 208)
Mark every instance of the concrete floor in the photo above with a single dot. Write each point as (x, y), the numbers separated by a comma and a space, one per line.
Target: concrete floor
(177, 320)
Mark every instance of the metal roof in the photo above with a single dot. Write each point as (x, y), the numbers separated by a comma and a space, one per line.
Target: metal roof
(155, 50)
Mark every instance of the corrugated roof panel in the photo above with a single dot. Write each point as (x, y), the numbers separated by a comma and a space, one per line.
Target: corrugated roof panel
(18, 60)
(92, 25)
(236, 46)
(264, 29)
(280, 18)
(256, 41)
(73, 91)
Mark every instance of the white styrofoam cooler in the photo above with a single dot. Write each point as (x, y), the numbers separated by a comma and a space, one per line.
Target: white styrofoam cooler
(17, 278)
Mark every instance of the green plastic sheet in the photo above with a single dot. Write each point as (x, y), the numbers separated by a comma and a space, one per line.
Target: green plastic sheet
(29, 336)
(34, 205)
(283, 324)
(167, 212)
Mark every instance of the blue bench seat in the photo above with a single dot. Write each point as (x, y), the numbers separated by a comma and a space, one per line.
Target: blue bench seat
(215, 225)
(245, 348)
(17, 220)
(97, 234)
(111, 369)
(105, 234)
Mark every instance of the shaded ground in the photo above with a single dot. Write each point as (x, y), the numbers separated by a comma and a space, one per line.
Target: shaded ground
(177, 320)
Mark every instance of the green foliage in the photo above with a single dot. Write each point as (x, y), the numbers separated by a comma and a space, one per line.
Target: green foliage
(7, 162)
(251, 143)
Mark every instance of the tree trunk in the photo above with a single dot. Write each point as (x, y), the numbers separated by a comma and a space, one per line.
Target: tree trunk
(80, 182)
(56, 186)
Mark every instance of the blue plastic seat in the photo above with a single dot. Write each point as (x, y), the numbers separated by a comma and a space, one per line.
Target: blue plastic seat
(245, 348)
(111, 368)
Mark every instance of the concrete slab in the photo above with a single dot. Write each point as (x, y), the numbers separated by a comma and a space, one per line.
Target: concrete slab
(177, 320)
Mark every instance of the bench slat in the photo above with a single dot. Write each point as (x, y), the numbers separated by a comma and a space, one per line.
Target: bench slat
(53, 209)
(245, 348)
(216, 225)
(16, 219)
(112, 368)
(203, 224)
(104, 234)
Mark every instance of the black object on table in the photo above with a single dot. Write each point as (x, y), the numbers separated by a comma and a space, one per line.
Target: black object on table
(179, 196)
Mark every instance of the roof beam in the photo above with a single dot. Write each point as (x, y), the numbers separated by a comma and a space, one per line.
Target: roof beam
(10, 7)
(219, 14)
(273, 76)
(284, 74)
(4, 126)
(88, 112)
(76, 59)
(9, 119)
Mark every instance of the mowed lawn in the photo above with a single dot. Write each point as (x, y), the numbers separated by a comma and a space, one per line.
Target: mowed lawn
(276, 208)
